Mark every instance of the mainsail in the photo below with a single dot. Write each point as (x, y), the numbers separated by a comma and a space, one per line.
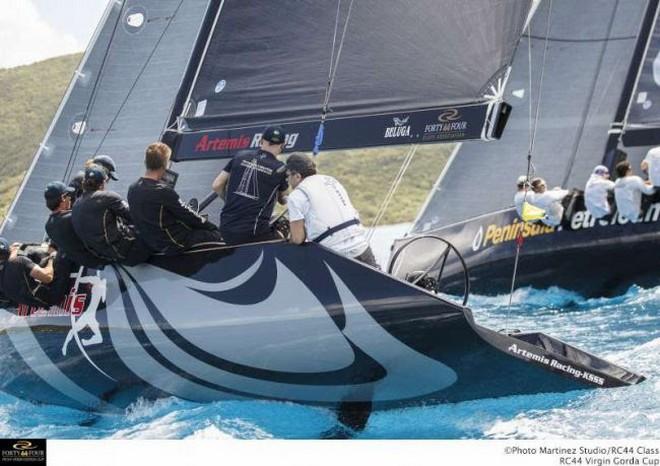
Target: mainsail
(589, 51)
(382, 72)
(642, 122)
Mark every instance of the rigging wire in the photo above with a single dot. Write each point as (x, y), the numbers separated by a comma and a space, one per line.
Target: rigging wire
(334, 64)
(139, 75)
(532, 137)
(90, 103)
(390, 193)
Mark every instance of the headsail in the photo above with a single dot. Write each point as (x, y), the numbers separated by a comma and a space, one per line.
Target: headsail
(118, 102)
(400, 71)
(585, 72)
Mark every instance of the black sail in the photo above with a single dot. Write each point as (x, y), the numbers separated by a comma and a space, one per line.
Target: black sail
(589, 51)
(642, 125)
(396, 63)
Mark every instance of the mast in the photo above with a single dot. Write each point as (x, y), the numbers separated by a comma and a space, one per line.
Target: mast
(610, 157)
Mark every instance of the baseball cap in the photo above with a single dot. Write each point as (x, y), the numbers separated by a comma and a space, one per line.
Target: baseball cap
(601, 170)
(106, 162)
(274, 135)
(522, 179)
(95, 173)
(55, 190)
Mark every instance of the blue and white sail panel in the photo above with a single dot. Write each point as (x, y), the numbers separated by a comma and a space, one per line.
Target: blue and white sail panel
(399, 71)
(642, 125)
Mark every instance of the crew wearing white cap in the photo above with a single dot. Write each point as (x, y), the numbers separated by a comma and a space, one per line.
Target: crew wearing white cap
(596, 192)
(524, 194)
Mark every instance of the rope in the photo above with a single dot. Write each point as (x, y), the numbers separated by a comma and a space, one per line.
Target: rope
(332, 73)
(144, 67)
(532, 137)
(393, 187)
(90, 103)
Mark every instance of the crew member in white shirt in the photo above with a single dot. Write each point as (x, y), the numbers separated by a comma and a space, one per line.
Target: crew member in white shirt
(321, 211)
(549, 200)
(628, 190)
(523, 194)
(596, 191)
(651, 165)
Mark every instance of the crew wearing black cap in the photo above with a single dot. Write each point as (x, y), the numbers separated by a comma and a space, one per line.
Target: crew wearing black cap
(103, 222)
(249, 184)
(165, 223)
(108, 164)
(59, 226)
(25, 282)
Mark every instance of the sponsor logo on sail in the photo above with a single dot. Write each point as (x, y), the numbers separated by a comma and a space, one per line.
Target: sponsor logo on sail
(290, 140)
(207, 144)
(450, 125)
(564, 367)
(400, 129)
(449, 115)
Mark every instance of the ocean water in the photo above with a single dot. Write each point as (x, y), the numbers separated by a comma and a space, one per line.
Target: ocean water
(625, 330)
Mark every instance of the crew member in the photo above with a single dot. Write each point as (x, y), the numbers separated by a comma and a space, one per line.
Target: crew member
(164, 222)
(321, 211)
(103, 222)
(596, 192)
(651, 165)
(107, 163)
(628, 189)
(76, 183)
(523, 194)
(249, 184)
(25, 282)
(548, 200)
(59, 226)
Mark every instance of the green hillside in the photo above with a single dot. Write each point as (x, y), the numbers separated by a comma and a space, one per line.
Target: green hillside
(30, 96)
(32, 93)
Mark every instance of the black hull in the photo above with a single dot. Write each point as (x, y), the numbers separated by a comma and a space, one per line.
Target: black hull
(244, 323)
(581, 255)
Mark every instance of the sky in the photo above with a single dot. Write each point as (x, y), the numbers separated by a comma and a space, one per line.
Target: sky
(34, 30)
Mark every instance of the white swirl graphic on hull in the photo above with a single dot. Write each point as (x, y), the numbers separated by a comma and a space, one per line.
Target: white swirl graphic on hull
(280, 333)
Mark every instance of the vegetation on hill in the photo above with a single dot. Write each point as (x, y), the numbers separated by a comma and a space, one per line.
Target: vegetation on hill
(31, 95)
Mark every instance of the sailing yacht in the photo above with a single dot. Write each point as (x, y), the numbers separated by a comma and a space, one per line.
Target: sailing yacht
(273, 320)
(581, 97)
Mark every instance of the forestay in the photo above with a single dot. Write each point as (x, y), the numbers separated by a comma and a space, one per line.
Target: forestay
(404, 71)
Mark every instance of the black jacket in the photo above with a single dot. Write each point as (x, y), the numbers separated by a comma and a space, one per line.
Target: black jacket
(18, 285)
(102, 221)
(60, 231)
(165, 223)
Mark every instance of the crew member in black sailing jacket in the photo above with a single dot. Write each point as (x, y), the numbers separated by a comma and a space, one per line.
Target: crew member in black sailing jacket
(60, 227)
(249, 184)
(25, 282)
(164, 222)
(103, 222)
